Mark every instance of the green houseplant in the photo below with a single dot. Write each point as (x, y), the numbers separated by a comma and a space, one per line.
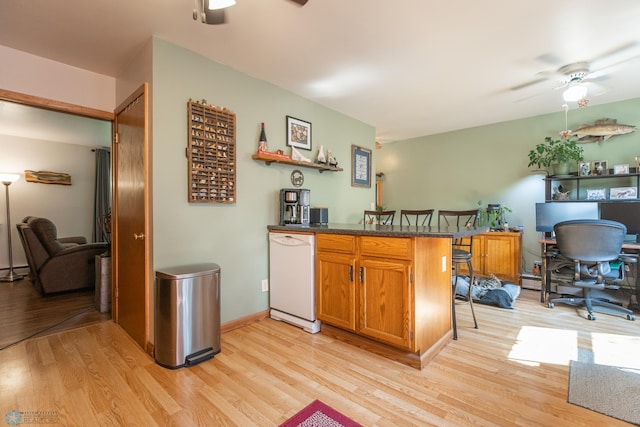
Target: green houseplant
(554, 152)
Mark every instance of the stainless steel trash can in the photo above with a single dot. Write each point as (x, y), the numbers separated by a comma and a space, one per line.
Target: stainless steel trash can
(187, 314)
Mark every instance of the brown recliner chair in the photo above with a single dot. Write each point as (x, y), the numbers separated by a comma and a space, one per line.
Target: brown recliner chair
(58, 265)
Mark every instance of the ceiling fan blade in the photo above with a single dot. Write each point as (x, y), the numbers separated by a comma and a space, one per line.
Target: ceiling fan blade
(616, 55)
(529, 83)
(599, 72)
(301, 2)
(596, 89)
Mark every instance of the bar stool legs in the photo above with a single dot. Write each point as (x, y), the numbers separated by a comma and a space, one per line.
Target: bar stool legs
(453, 299)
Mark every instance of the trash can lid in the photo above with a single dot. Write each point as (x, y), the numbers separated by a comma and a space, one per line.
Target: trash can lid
(186, 271)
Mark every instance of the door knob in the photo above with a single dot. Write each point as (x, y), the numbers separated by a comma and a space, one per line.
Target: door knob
(138, 236)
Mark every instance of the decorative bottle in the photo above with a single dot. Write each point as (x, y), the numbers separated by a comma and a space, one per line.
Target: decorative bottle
(262, 143)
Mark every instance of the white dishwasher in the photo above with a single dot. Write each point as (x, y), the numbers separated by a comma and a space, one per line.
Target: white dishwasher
(292, 279)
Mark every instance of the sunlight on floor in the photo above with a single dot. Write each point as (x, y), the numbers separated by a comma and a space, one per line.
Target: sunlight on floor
(616, 350)
(536, 345)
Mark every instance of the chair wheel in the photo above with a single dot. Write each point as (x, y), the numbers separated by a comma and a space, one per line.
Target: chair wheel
(591, 317)
(631, 317)
(550, 305)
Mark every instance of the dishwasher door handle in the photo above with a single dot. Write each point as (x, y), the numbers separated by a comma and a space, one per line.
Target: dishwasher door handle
(289, 241)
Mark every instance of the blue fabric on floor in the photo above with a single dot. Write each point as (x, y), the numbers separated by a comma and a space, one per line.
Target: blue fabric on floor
(503, 296)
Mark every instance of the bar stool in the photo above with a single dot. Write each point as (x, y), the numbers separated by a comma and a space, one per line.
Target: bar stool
(461, 254)
(420, 217)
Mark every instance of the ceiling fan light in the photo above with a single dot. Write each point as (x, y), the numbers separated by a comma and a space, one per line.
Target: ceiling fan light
(575, 93)
(219, 4)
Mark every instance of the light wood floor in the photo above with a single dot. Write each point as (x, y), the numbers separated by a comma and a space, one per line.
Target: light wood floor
(502, 374)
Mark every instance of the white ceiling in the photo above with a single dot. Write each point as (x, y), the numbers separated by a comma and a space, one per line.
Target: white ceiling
(408, 67)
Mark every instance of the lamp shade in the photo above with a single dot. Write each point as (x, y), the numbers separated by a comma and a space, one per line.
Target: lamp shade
(219, 4)
(575, 93)
(9, 177)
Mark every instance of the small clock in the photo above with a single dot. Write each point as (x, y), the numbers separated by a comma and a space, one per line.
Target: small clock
(297, 178)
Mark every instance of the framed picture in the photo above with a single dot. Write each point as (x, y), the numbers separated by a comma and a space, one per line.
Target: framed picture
(623, 193)
(599, 167)
(298, 133)
(584, 168)
(360, 167)
(596, 193)
(620, 169)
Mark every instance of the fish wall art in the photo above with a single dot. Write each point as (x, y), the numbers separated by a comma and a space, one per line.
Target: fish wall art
(601, 130)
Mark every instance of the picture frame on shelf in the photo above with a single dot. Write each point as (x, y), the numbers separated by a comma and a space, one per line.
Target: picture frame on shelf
(623, 193)
(596, 194)
(584, 168)
(599, 167)
(360, 167)
(298, 133)
(621, 169)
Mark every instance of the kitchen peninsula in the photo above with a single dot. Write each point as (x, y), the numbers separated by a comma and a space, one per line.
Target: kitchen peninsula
(385, 288)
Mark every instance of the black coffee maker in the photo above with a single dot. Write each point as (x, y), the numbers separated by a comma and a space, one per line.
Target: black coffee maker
(294, 206)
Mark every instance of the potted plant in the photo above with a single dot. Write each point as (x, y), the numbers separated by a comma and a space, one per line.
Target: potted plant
(556, 153)
(493, 215)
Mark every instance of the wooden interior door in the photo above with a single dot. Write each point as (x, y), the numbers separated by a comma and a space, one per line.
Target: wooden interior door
(131, 243)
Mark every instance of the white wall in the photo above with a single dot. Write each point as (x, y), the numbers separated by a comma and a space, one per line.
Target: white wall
(33, 75)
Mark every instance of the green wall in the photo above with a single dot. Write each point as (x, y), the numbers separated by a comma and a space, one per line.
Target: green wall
(455, 170)
(235, 236)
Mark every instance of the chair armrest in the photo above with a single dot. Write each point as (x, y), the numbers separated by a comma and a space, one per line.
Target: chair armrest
(80, 240)
(628, 258)
(89, 247)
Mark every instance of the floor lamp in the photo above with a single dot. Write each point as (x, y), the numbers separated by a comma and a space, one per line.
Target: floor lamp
(7, 179)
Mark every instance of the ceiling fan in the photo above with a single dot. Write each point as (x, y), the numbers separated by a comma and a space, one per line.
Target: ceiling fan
(212, 12)
(574, 77)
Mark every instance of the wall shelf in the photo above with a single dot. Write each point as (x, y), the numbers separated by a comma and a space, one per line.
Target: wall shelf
(580, 186)
(286, 161)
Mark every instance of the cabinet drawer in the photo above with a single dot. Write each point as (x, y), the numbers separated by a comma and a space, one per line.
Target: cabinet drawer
(391, 247)
(336, 243)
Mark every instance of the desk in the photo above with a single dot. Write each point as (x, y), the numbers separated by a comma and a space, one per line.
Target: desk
(547, 248)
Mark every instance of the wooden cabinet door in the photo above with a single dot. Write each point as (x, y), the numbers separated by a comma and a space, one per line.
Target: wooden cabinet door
(335, 289)
(385, 300)
(497, 253)
(502, 256)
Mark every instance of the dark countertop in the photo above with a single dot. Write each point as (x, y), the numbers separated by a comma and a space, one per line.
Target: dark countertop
(383, 230)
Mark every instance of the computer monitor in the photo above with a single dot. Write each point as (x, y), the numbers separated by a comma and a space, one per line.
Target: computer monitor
(549, 214)
(628, 213)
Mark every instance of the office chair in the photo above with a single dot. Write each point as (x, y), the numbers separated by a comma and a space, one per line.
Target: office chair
(461, 254)
(379, 217)
(416, 217)
(586, 248)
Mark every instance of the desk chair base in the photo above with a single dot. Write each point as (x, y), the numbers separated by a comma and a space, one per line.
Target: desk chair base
(592, 304)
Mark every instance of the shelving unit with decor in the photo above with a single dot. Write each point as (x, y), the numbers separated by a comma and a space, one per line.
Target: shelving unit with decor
(211, 154)
(268, 159)
(587, 188)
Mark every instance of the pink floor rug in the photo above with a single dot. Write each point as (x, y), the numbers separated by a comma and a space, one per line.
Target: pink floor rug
(317, 414)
